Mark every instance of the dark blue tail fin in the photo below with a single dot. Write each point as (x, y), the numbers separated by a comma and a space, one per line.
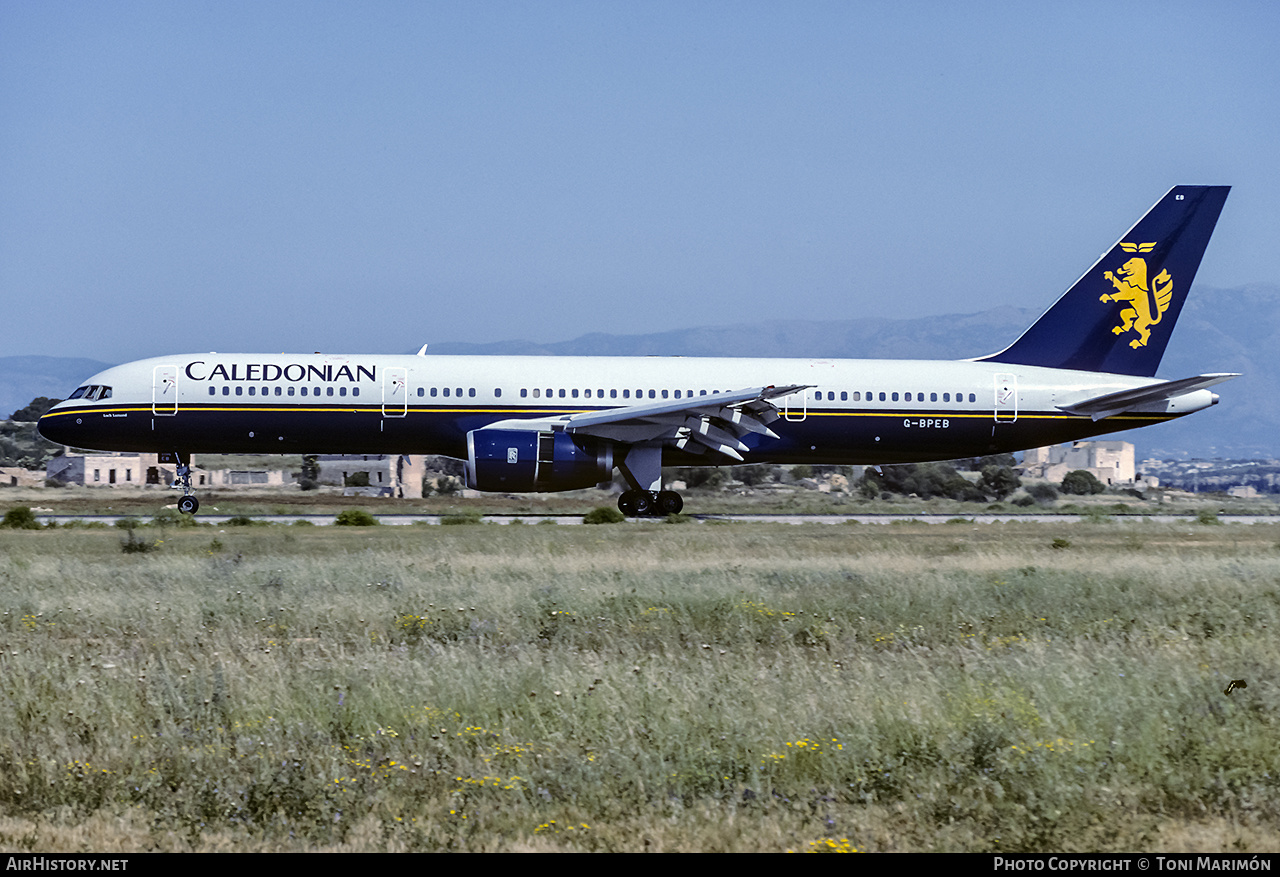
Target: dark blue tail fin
(1117, 318)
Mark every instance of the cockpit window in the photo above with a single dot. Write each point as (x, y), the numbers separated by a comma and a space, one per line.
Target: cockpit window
(92, 392)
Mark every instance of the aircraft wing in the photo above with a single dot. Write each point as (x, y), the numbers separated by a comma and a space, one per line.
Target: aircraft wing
(1115, 403)
(695, 424)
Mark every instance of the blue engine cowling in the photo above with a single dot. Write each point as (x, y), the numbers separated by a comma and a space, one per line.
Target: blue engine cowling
(528, 460)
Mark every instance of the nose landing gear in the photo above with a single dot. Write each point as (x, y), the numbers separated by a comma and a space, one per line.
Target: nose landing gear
(188, 504)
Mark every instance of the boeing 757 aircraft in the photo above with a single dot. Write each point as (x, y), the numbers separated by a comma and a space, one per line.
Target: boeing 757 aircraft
(521, 424)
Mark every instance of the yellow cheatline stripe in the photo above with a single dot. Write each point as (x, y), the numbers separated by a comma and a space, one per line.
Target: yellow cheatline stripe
(200, 407)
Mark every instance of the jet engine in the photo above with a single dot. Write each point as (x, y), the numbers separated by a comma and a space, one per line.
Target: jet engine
(523, 460)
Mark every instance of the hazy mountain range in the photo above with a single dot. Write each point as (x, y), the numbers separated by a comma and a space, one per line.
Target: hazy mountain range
(1220, 330)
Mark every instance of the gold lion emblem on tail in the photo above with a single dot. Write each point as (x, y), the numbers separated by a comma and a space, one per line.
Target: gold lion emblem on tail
(1147, 301)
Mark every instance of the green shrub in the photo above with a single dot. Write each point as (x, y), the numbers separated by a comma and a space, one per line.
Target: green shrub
(604, 515)
(1082, 482)
(1043, 493)
(355, 518)
(133, 545)
(470, 516)
(20, 519)
(173, 518)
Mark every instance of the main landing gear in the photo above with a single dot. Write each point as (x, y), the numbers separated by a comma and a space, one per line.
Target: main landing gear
(645, 503)
(642, 467)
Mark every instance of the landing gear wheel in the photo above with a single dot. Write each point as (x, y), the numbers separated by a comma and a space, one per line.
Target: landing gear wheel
(626, 503)
(635, 503)
(669, 502)
(643, 503)
(188, 505)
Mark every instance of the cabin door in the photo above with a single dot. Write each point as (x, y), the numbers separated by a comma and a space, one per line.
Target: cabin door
(395, 392)
(795, 407)
(1006, 405)
(164, 390)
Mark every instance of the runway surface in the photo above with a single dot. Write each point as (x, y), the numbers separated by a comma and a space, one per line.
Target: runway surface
(400, 520)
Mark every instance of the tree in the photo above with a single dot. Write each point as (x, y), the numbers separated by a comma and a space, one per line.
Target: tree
(1082, 482)
(33, 412)
(1000, 480)
(310, 479)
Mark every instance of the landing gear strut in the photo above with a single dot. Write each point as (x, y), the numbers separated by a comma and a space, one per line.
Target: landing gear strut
(188, 504)
(642, 467)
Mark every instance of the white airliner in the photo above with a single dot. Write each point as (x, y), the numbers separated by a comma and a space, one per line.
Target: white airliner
(1086, 367)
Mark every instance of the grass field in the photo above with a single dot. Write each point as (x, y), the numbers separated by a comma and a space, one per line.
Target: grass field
(145, 502)
(641, 687)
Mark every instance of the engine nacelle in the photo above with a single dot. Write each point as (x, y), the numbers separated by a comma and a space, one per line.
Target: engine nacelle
(530, 460)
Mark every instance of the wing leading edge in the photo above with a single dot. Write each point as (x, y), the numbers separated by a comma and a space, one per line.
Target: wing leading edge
(717, 423)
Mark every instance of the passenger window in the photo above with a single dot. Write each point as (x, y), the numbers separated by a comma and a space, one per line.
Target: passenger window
(574, 394)
(422, 391)
(251, 389)
(434, 391)
(537, 393)
(653, 394)
(562, 394)
(933, 397)
(239, 391)
(664, 394)
(524, 393)
(446, 391)
(844, 396)
(471, 392)
(908, 397)
(458, 392)
(613, 394)
(328, 391)
(211, 391)
(226, 391)
(497, 392)
(895, 397)
(291, 391)
(587, 393)
(342, 391)
(973, 398)
(599, 394)
(304, 391)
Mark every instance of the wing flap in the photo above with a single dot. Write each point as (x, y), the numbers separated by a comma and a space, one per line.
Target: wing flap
(717, 423)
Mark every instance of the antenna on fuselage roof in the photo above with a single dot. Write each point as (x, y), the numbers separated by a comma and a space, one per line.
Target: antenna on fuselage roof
(422, 351)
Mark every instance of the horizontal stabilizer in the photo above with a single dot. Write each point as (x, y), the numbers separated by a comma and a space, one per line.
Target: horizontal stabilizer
(1115, 403)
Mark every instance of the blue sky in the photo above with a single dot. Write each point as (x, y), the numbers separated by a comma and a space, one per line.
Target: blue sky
(369, 177)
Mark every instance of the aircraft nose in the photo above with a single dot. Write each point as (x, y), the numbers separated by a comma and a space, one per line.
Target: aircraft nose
(54, 427)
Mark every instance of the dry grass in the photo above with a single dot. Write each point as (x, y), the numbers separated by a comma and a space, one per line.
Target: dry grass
(731, 687)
